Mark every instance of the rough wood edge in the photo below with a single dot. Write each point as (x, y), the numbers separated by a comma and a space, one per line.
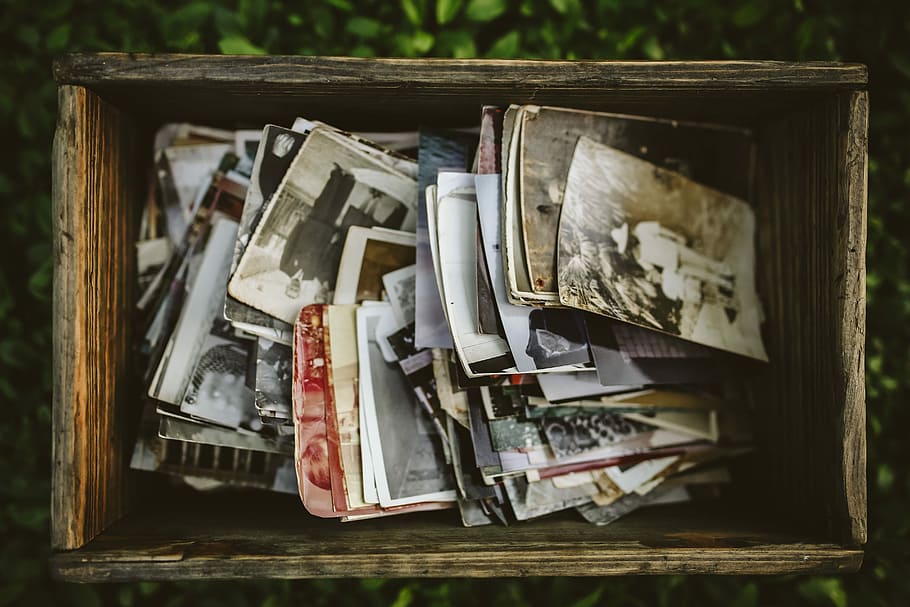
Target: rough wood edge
(853, 315)
(86, 491)
(68, 172)
(337, 72)
(803, 559)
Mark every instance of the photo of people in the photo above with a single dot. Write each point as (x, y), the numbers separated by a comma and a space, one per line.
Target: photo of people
(648, 246)
(293, 257)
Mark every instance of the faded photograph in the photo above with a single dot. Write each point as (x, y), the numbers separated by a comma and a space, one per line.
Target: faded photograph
(650, 247)
(715, 155)
(218, 390)
(274, 371)
(556, 338)
(293, 257)
(412, 459)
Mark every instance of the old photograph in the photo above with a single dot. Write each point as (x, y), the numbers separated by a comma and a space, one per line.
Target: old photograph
(572, 435)
(312, 460)
(274, 371)
(192, 431)
(533, 346)
(650, 247)
(480, 354)
(400, 287)
(714, 155)
(342, 411)
(199, 311)
(293, 257)
(279, 147)
(368, 255)
(409, 462)
(628, 354)
(219, 390)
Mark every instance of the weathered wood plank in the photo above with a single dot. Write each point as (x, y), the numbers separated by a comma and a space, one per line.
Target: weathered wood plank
(688, 539)
(406, 93)
(812, 208)
(268, 74)
(93, 253)
(850, 270)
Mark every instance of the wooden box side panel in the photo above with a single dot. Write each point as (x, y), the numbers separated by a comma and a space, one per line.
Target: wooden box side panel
(812, 211)
(204, 537)
(93, 254)
(361, 93)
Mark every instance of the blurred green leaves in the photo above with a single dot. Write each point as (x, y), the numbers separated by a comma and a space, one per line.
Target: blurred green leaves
(485, 10)
(239, 45)
(446, 10)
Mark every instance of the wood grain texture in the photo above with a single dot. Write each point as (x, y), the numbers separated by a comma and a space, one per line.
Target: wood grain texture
(405, 93)
(264, 73)
(93, 253)
(812, 212)
(693, 539)
(850, 267)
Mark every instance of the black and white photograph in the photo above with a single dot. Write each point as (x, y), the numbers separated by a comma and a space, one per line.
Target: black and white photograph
(279, 147)
(572, 435)
(480, 354)
(408, 459)
(246, 145)
(293, 258)
(184, 170)
(368, 255)
(417, 366)
(531, 500)
(193, 431)
(200, 309)
(648, 246)
(400, 287)
(556, 338)
(219, 390)
(274, 370)
(532, 345)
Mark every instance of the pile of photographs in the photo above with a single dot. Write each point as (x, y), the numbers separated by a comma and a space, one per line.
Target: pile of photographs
(555, 310)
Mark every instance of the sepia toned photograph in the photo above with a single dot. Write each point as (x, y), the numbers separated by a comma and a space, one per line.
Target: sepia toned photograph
(368, 255)
(400, 286)
(648, 246)
(293, 258)
(715, 155)
(342, 411)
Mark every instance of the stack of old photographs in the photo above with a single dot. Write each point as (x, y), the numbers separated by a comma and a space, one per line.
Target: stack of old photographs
(217, 409)
(219, 371)
(553, 311)
(589, 295)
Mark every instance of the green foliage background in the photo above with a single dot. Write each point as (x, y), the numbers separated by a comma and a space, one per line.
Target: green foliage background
(875, 32)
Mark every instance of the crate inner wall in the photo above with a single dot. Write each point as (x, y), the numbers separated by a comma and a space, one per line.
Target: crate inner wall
(805, 490)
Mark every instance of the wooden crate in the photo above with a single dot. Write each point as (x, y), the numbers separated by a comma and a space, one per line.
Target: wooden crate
(802, 507)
